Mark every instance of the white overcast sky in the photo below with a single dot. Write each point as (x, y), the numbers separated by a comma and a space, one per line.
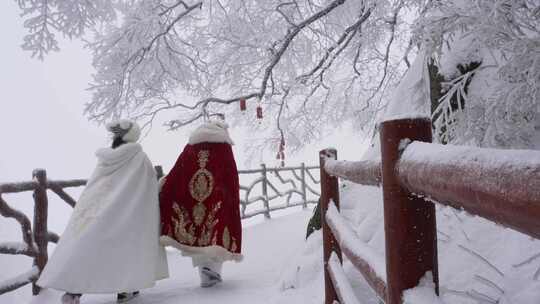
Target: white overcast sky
(42, 123)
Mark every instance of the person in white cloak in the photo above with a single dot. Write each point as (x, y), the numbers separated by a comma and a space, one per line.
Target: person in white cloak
(111, 243)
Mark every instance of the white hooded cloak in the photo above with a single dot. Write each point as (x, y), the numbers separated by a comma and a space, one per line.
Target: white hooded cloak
(111, 243)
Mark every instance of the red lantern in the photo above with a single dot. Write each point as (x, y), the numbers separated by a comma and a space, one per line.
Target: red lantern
(242, 104)
(259, 112)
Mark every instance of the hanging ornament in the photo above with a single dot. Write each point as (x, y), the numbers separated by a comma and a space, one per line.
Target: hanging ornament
(242, 104)
(259, 112)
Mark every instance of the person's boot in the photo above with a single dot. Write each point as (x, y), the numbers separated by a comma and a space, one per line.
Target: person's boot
(71, 298)
(123, 297)
(209, 277)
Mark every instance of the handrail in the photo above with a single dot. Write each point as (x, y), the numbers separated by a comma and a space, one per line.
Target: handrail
(365, 172)
(414, 172)
(33, 185)
(268, 184)
(276, 169)
(478, 180)
(358, 253)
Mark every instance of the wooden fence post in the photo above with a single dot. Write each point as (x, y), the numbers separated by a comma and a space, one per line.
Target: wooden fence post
(40, 222)
(409, 221)
(329, 192)
(303, 177)
(265, 191)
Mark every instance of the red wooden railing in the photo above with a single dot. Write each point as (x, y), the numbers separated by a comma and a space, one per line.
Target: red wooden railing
(499, 185)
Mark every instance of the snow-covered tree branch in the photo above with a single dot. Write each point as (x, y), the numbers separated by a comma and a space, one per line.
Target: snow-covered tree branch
(198, 57)
(45, 18)
(487, 52)
(310, 65)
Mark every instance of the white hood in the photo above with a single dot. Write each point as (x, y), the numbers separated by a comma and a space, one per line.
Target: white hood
(212, 131)
(129, 129)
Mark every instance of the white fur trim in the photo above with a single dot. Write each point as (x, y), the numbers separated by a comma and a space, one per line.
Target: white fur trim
(134, 132)
(212, 131)
(214, 253)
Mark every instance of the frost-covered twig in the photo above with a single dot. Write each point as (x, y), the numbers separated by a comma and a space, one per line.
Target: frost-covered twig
(447, 237)
(527, 261)
(472, 295)
(489, 283)
(481, 258)
(461, 226)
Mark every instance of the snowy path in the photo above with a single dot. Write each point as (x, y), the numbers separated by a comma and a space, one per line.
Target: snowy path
(269, 249)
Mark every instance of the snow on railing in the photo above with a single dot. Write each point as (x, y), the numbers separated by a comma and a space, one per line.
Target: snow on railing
(272, 189)
(409, 221)
(17, 248)
(344, 290)
(365, 172)
(499, 185)
(372, 264)
(20, 280)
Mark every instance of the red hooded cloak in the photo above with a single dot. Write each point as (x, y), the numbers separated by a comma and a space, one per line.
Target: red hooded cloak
(200, 203)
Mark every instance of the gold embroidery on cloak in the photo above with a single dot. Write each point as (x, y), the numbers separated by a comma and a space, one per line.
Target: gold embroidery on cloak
(184, 231)
(199, 211)
(208, 228)
(226, 238)
(200, 187)
(214, 238)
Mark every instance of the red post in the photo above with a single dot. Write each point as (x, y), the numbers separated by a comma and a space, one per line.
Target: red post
(329, 192)
(40, 222)
(409, 221)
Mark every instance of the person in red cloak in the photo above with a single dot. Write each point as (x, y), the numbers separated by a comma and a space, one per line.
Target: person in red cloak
(200, 202)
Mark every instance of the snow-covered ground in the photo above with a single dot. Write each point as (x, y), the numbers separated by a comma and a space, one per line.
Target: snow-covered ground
(479, 261)
(271, 248)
